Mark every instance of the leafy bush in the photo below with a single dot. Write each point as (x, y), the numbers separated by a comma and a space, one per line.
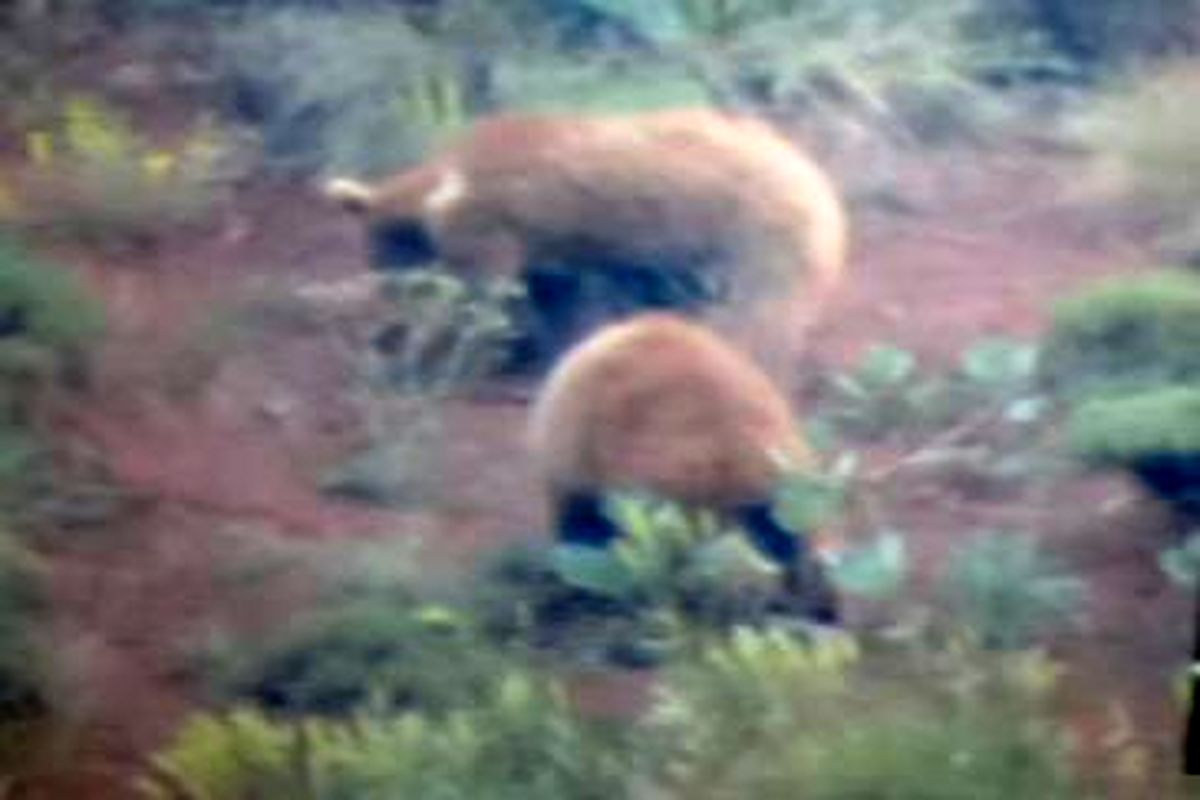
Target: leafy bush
(92, 176)
(367, 622)
(373, 648)
(910, 69)
(439, 334)
(692, 563)
(674, 574)
(47, 323)
(44, 304)
(888, 394)
(764, 716)
(1154, 434)
(23, 664)
(1124, 430)
(352, 90)
(1125, 334)
(999, 367)
(586, 83)
(756, 715)
(1007, 592)
(521, 741)
(883, 392)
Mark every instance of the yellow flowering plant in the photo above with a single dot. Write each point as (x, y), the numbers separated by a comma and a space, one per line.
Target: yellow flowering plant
(92, 175)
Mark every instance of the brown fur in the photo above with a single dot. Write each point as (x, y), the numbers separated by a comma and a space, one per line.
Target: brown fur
(683, 189)
(662, 404)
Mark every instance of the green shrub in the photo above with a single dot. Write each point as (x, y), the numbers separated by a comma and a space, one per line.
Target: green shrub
(23, 661)
(572, 82)
(764, 716)
(92, 176)
(674, 574)
(334, 660)
(1125, 334)
(879, 393)
(670, 557)
(907, 69)
(1123, 430)
(998, 366)
(439, 334)
(359, 91)
(1007, 592)
(1154, 434)
(888, 394)
(521, 741)
(532, 597)
(756, 715)
(49, 306)
(47, 324)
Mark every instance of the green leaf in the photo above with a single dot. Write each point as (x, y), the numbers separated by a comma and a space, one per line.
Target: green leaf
(438, 616)
(1182, 564)
(1000, 362)
(731, 561)
(803, 503)
(875, 570)
(850, 387)
(593, 569)
(1026, 410)
(885, 366)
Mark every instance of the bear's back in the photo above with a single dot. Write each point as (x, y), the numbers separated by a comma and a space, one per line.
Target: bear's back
(662, 404)
(681, 189)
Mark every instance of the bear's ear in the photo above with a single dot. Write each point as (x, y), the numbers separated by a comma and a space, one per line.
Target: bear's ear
(353, 196)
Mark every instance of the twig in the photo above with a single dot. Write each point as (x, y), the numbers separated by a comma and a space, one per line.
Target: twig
(972, 424)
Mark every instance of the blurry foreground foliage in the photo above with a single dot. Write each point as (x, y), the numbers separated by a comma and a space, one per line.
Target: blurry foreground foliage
(755, 715)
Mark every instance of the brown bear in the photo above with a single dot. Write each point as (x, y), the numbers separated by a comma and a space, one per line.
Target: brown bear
(662, 404)
(671, 208)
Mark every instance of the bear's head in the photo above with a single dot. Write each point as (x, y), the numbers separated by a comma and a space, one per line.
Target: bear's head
(395, 241)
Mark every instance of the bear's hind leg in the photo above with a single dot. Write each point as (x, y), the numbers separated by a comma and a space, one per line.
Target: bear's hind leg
(580, 520)
(804, 577)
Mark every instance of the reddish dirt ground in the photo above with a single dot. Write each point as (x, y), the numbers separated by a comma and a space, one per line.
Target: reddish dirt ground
(989, 242)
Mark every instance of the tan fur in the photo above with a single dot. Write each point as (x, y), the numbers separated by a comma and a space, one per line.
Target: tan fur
(663, 404)
(681, 187)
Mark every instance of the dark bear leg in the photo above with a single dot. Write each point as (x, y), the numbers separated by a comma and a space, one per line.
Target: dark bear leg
(580, 520)
(547, 320)
(627, 289)
(804, 576)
